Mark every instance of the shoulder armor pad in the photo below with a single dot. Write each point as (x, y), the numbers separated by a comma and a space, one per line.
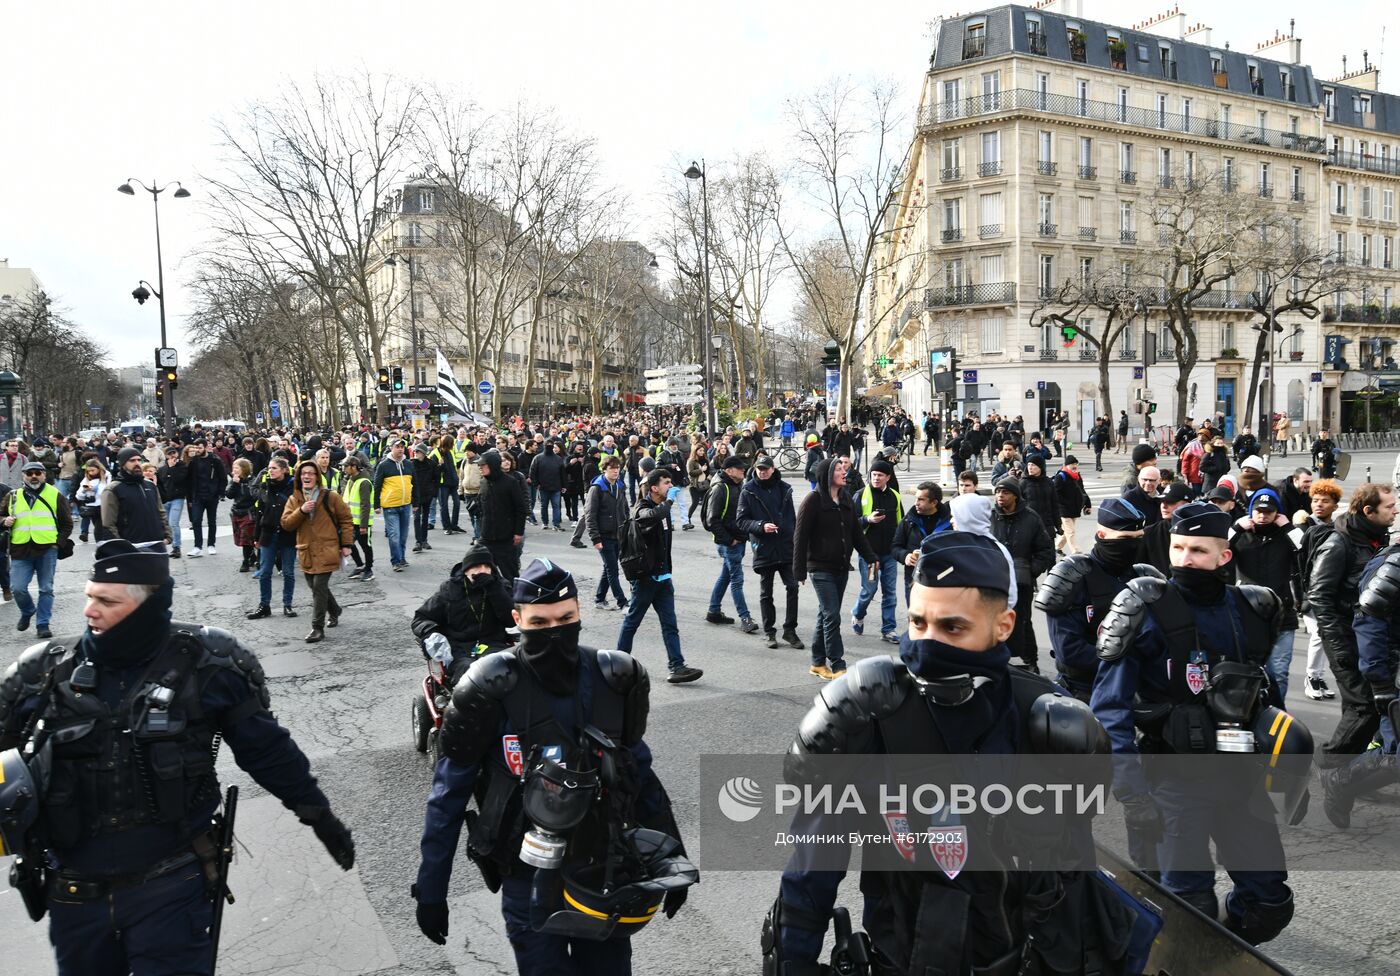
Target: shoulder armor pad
(1055, 593)
(473, 717)
(1125, 615)
(624, 674)
(1062, 725)
(1147, 569)
(26, 675)
(222, 649)
(1264, 602)
(869, 690)
(1380, 597)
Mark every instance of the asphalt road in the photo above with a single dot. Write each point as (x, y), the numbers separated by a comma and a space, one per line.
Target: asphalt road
(347, 703)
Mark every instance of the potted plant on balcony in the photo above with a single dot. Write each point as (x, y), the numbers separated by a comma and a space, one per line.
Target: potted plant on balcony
(1118, 53)
(1230, 353)
(1373, 313)
(1078, 44)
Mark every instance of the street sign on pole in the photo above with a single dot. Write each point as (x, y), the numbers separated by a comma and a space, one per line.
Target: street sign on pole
(258, 416)
(485, 387)
(412, 403)
(276, 409)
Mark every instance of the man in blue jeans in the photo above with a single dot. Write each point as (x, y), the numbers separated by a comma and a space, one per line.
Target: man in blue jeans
(722, 519)
(393, 494)
(652, 585)
(36, 518)
(881, 510)
(606, 511)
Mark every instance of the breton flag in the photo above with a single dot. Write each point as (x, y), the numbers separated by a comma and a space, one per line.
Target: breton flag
(447, 386)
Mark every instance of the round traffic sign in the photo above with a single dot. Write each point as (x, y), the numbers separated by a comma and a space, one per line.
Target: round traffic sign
(485, 387)
(273, 404)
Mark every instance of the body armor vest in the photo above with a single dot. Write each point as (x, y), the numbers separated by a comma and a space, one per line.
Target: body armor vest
(149, 759)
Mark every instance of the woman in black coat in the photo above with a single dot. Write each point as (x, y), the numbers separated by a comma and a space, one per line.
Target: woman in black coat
(1215, 464)
(426, 479)
(574, 483)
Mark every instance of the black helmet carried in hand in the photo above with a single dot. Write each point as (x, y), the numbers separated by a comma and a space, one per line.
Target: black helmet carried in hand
(640, 883)
(20, 792)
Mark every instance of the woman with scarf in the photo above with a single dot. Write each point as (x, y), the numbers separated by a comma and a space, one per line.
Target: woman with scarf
(321, 520)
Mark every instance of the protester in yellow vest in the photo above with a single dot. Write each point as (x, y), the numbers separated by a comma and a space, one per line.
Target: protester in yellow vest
(38, 523)
(359, 495)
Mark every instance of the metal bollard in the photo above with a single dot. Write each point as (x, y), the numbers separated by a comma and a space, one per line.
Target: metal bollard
(1368, 474)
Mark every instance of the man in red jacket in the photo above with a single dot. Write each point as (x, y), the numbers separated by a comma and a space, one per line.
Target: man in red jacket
(1191, 457)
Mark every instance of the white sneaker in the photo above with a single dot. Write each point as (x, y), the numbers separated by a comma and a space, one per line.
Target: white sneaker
(1317, 689)
(195, 553)
(211, 549)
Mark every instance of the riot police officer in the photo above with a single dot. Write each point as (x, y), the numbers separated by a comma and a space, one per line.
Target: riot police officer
(1377, 627)
(952, 691)
(1173, 655)
(119, 730)
(1078, 590)
(517, 718)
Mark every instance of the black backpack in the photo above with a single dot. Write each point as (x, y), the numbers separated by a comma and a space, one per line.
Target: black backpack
(632, 548)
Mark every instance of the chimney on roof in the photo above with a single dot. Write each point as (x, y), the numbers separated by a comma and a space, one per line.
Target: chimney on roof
(1067, 8)
(1287, 48)
(1170, 23)
(1199, 34)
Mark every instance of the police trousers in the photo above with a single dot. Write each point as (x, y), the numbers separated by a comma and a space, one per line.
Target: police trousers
(157, 928)
(551, 955)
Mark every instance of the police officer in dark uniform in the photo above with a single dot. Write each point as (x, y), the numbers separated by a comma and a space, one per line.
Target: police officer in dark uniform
(1078, 590)
(120, 727)
(1166, 648)
(550, 704)
(1377, 627)
(952, 691)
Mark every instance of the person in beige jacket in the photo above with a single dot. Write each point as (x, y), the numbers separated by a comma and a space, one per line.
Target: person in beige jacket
(321, 520)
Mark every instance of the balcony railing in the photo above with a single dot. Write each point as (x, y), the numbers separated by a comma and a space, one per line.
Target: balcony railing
(952, 234)
(974, 47)
(1298, 196)
(1372, 164)
(1049, 355)
(950, 173)
(995, 293)
(1127, 355)
(1127, 176)
(1088, 352)
(1339, 210)
(1370, 314)
(1088, 233)
(988, 230)
(1088, 172)
(1266, 191)
(1037, 42)
(1166, 182)
(989, 169)
(1168, 68)
(1046, 168)
(1127, 236)
(1229, 186)
(1048, 230)
(1021, 100)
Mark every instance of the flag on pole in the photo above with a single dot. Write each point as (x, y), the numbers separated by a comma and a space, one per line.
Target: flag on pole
(447, 386)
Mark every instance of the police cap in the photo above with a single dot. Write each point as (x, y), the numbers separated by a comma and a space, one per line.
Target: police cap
(543, 581)
(120, 561)
(957, 559)
(1121, 515)
(1201, 519)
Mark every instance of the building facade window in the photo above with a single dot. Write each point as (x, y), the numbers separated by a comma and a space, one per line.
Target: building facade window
(1047, 274)
(1122, 105)
(991, 335)
(1387, 204)
(1046, 147)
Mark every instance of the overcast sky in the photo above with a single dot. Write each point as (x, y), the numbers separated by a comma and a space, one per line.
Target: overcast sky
(96, 92)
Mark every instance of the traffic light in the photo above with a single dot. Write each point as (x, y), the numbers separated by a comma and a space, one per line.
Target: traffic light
(383, 379)
(160, 393)
(1069, 333)
(1152, 408)
(172, 380)
(398, 379)
(305, 399)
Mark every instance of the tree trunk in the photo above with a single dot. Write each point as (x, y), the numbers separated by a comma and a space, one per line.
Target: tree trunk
(535, 313)
(1260, 349)
(595, 378)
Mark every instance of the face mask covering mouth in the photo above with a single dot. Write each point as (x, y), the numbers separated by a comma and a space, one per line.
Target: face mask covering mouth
(552, 653)
(1207, 585)
(1118, 554)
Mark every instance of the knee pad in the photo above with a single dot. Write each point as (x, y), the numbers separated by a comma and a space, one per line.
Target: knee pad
(1258, 922)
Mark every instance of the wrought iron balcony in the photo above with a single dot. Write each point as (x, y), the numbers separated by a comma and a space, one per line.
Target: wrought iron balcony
(1049, 230)
(1049, 354)
(989, 169)
(1088, 352)
(1169, 69)
(1166, 182)
(975, 46)
(1046, 168)
(1127, 176)
(1024, 100)
(1088, 233)
(952, 234)
(995, 293)
(950, 173)
(1037, 42)
(1126, 355)
(1088, 172)
(1298, 196)
(1266, 191)
(1229, 186)
(1372, 164)
(1127, 236)
(1340, 210)
(989, 230)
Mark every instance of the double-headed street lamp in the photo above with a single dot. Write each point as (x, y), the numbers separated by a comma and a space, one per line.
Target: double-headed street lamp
(697, 172)
(142, 293)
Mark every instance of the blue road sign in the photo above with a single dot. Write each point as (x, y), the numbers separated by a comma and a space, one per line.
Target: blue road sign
(485, 387)
(1137, 372)
(969, 376)
(259, 418)
(1040, 385)
(276, 409)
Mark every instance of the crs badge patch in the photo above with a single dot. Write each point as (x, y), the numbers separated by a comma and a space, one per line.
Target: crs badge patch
(515, 762)
(948, 845)
(898, 824)
(1197, 672)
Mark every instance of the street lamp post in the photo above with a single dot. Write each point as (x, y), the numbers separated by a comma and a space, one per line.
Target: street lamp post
(697, 172)
(392, 261)
(180, 194)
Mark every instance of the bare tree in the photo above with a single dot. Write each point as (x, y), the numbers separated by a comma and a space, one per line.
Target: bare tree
(308, 190)
(851, 159)
(1200, 227)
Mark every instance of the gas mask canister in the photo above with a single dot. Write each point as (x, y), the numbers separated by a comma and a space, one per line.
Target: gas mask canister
(1234, 695)
(555, 799)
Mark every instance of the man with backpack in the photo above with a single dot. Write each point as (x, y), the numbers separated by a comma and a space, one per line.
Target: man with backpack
(646, 562)
(721, 517)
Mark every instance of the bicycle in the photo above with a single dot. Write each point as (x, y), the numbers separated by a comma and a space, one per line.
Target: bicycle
(789, 458)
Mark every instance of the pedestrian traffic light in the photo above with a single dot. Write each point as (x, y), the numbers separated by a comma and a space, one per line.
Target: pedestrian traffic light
(398, 379)
(383, 379)
(1152, 408)
(1070, 333)
(172, 380)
